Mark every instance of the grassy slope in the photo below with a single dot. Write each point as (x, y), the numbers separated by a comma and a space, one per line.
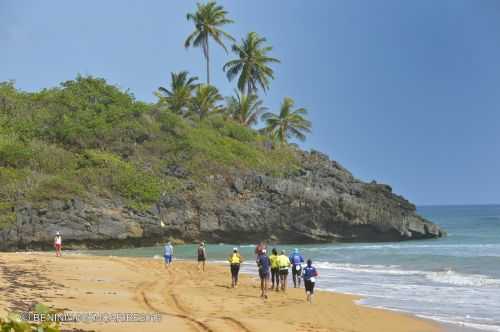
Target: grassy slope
(89, 139)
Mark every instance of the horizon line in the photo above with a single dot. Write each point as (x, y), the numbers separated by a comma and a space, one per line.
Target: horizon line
(458, 204)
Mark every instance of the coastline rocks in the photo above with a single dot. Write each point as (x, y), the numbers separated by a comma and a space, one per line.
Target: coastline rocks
(321, 202)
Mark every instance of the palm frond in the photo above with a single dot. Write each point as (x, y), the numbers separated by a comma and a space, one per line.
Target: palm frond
(190, 38)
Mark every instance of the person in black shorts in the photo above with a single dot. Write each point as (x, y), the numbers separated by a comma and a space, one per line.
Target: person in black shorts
(202, 256)
(309, 276)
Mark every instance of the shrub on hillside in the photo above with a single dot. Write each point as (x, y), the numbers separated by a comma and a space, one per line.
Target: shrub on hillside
(60, 187)
(51, 159)
(14, 153)
(11, 183)
(232, 129)
(108, 170)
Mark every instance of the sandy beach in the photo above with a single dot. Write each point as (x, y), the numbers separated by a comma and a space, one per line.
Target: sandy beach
(186, 300)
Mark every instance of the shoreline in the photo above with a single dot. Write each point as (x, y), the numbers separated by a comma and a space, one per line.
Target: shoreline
(187, 300)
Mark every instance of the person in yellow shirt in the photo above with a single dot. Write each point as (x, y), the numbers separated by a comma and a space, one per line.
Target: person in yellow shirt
(284, 264)
(275, 269)
(235, 259)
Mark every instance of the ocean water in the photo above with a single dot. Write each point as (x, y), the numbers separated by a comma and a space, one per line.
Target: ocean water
(454, 280)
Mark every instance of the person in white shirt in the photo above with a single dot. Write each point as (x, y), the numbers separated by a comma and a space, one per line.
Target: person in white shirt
(58, 244)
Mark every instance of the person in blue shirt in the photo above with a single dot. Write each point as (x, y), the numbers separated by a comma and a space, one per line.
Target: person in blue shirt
(296, 259)
(309, 276)
(263, 264)
(168, 254)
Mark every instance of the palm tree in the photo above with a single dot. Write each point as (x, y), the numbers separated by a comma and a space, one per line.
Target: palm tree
(252, 64)
(207, 20)
(205, 101)
(245, 109)
(178, 98)
(288, 124)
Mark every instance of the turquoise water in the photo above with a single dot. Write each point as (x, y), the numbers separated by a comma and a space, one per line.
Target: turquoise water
(455, 279)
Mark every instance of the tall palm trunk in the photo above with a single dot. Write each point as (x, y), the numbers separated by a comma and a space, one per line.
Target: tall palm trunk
(207, 56)
(283, 134)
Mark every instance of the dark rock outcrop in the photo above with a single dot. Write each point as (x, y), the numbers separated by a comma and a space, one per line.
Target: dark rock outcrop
(321, 202)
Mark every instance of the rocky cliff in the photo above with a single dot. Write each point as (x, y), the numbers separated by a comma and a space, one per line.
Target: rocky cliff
(321, 202)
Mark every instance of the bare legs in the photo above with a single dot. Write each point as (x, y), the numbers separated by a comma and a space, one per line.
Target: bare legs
(201, 265)
(275, 279)
(235, 269)
(283, 280)
(309, 290)
(263, 285)
(296, 277)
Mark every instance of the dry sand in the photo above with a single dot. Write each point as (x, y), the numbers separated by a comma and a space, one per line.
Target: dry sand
(187, 300)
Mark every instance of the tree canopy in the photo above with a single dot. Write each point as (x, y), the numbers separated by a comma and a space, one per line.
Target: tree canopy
(252, 64)
(289, 123)
(208, 21)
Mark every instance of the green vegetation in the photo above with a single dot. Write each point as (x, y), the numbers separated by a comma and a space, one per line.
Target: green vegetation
(89, 139)
(206, 101)
(178, 98)
(245, 109)
(14, 323)
(7, 215)
(253, 71)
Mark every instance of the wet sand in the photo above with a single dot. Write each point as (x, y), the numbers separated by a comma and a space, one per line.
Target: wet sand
(186, 299)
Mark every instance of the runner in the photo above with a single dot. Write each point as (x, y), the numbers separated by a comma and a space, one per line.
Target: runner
(284, 264)
(296, 259)
(263, 263)
(310, 275)
(235, 259)
(58, 244)
(202, 256)
(275, 269)
(168, 254)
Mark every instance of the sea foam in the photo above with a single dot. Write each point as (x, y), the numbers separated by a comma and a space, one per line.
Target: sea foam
(444, 277)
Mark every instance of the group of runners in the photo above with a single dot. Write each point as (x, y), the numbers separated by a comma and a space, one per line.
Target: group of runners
(274, 267)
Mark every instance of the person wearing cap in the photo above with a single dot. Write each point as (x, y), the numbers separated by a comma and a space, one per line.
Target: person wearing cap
(235, 259)
(310, 275)
(202, 256)
(284, 264)
(275, 269)
(296, 259)
(263, 263)
(58, 244)
(168, 253)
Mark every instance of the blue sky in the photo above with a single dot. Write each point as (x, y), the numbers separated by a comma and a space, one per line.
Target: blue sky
(404, 92)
